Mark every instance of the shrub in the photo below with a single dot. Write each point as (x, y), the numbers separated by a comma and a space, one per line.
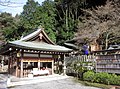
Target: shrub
(102, 77)
(89, 76)
(114, 79)
(118, 80)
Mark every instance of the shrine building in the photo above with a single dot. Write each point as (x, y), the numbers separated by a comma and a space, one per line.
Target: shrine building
(33, 52)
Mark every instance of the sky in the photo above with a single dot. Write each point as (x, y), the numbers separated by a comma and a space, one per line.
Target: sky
(16, 7)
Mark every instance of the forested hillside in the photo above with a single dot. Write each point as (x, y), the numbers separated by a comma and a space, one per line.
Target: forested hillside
(95, 21)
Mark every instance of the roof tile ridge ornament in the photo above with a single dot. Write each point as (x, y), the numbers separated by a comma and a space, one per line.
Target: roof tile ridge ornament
(42, 30)
(40, 36)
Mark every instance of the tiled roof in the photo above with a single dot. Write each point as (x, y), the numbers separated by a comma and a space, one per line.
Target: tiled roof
(37, 32)
(39, 46)
(27, 43)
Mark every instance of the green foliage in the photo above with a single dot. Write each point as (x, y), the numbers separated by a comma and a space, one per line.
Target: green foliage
(60, 19)
(8, 27)
(102, 77)
(78, 68)
(66, 20)
(29, 16)
(35, 15)
(68, 17)
(48, 20)
(89, 76)
(101, 86)
(114, 79)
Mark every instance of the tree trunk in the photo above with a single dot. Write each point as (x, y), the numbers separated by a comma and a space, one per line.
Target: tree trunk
(106, 41)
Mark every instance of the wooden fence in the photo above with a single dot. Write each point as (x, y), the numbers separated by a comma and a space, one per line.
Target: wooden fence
(108, 63)
(86, 61)
(81, 58)
(103, 63)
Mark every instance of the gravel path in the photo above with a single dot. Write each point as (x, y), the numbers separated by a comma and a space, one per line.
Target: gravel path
(56, 84)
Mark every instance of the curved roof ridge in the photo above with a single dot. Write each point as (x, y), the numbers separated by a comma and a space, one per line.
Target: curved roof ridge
(31, 35)
(48, 38)
(37, 32)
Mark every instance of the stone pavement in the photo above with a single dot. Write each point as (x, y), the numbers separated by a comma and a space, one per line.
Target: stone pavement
(41, 82)
(3, 81)
(23, 81)
(66, 83)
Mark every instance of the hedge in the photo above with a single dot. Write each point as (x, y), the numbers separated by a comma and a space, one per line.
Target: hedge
(102, 77)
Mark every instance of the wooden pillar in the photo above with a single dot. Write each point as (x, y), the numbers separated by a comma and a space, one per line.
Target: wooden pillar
(17, 67)
(38, 64)
(41, 64)
(52, 66)
(39, 61)
(21, 74)
(9, 60)
(21, 66)
(9, 64)
(2, 62)
(64, 68)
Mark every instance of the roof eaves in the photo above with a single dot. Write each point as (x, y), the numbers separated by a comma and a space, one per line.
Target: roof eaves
(14, 44)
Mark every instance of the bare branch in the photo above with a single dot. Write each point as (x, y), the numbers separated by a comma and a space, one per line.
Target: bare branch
(103, 19)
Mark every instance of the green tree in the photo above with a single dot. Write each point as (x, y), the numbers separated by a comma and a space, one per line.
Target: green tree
(48, 20)
(66, 23)
(35, 15)
(8, 27)
(29, 17)
(69, 15)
